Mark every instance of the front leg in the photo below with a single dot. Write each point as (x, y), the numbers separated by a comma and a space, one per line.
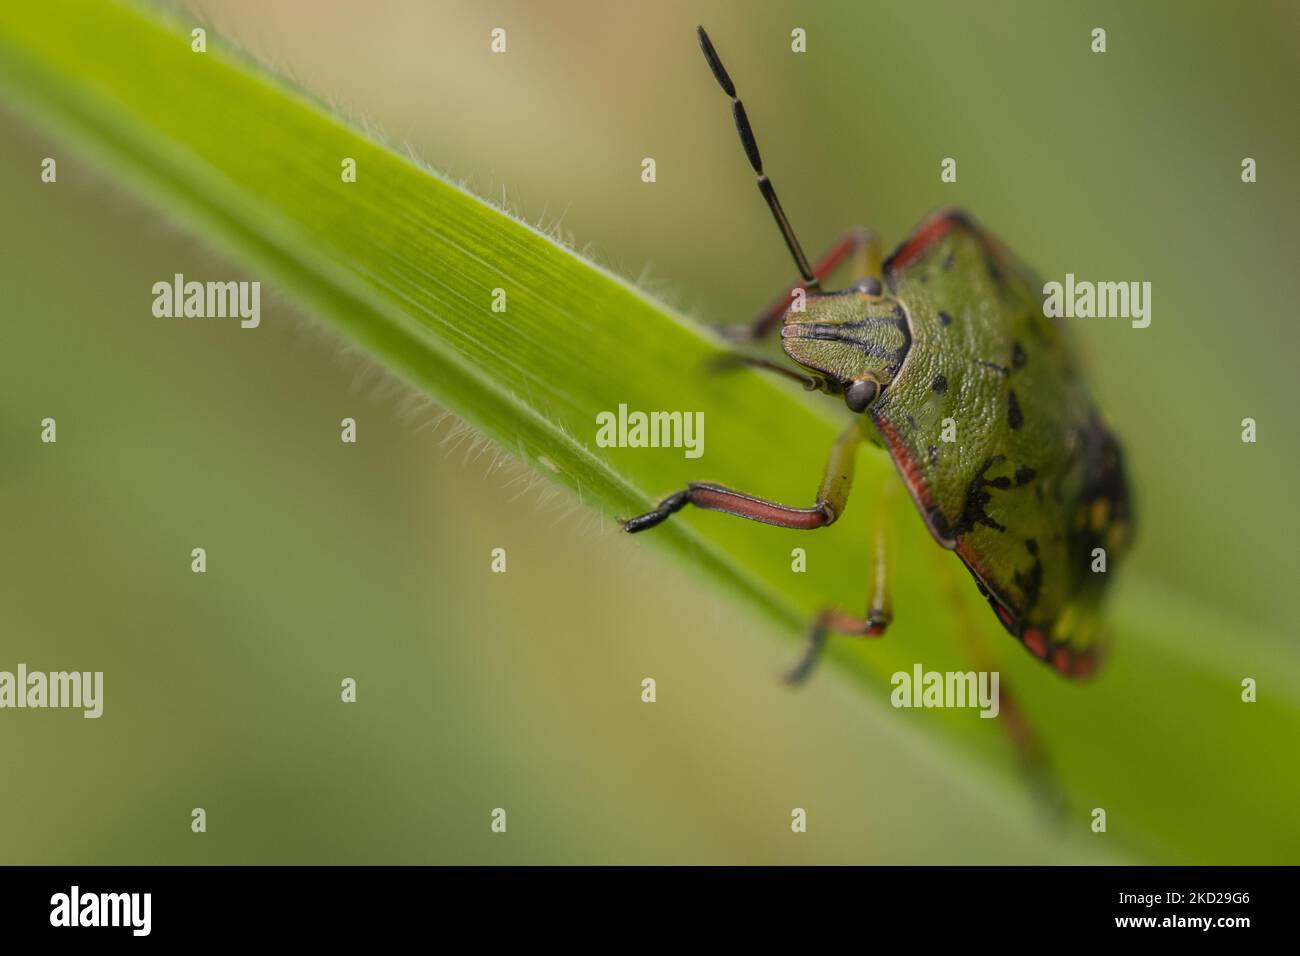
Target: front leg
(831, 499)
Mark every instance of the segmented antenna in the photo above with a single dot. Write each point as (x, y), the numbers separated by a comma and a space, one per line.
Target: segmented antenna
(751, 150)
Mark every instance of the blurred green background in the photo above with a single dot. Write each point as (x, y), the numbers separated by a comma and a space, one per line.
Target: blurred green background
(522, 690)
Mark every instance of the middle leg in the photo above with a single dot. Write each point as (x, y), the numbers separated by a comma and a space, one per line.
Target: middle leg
(880, 605)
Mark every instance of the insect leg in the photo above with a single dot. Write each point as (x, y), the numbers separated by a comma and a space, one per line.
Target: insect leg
(860, 247)
(1020, 732)
(880, 605)
(831, 499)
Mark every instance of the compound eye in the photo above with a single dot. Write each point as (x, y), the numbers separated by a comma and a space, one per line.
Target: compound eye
(861, 393)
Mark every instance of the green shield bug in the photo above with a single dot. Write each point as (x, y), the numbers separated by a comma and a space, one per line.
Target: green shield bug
(949, 335)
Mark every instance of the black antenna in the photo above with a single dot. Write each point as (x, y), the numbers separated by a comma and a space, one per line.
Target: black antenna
(751, 150)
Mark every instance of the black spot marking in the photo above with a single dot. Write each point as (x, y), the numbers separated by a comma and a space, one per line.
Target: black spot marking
(1031, 583)
(1104, 479)
(1024, 475)
(940, 384)
(1000, 369)
(934, 455)
(945, 318)
(977, 497)
(947, 263)
(1014, 418)
(940, 523)
(1018, 358)
(1032, 547)
(911, 423)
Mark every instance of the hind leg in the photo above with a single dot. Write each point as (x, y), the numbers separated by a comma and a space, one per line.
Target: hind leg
(1024, 739)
